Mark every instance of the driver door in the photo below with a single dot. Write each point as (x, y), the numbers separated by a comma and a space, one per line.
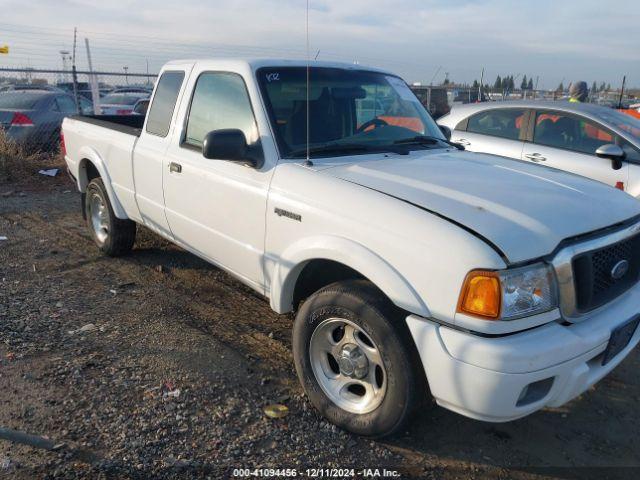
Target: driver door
(217, 207)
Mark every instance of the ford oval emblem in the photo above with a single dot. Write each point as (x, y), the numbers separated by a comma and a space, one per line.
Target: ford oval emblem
(620, 269)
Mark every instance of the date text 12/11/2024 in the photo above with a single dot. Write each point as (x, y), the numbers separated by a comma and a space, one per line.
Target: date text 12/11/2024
(316, 473)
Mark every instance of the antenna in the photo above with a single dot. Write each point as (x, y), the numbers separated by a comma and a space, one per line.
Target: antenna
(624, 80)
(308, 61)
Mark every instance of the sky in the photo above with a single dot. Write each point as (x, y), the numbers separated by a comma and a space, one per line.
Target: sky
(421, 40)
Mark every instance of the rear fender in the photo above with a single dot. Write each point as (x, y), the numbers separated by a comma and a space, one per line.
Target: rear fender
(89, 154)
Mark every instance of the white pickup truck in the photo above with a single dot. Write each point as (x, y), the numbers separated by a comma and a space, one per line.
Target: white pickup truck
(414, 268)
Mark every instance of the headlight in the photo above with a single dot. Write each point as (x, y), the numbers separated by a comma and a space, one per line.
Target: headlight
(509, 294)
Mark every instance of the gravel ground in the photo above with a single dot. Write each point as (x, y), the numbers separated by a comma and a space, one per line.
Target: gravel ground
(158, 365)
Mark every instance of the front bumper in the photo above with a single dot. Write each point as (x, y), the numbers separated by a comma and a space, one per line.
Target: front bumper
(485, 377)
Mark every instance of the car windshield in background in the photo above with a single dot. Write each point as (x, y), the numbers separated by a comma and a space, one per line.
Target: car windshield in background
(350, 112)
(121, 99)
(624, 122)
(19, 100)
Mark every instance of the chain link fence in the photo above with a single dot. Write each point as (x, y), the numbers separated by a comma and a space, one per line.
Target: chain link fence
(33, 102)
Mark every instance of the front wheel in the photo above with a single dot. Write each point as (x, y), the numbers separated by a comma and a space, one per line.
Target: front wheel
(112, 235)
(356, 359)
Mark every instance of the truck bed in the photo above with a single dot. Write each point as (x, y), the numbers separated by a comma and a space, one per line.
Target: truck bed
(130, 124)
(108, 142)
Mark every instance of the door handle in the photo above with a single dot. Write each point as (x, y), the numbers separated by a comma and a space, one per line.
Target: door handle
(535, 157)
(463, 141)
(175, 167)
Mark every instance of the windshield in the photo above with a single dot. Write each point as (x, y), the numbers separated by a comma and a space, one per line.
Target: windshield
(20, 100)
(121, 99)
(361, 111)
(624, 122)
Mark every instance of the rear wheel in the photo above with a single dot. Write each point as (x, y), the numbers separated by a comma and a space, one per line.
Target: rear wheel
(112, 235)
(356, 359)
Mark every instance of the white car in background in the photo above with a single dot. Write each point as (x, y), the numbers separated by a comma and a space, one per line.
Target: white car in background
(589, 140)
(121, 103)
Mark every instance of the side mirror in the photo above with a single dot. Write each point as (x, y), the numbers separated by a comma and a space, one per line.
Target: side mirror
(446, 131)
(612, 152)
(227, 144)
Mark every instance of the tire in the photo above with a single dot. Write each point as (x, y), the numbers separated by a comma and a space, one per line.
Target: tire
(367, 315)
(112, 235)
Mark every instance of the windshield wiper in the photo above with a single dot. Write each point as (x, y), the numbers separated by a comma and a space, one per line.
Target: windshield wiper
(426, 140)
(341, 148)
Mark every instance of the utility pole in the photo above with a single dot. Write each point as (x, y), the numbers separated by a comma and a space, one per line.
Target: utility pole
(74, 73)
(93, 79)
(126, 78)
(435, 75)
(480, 86)
(65, 56)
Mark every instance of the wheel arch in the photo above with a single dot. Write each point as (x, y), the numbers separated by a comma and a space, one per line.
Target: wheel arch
(344, 259)
(91, 166)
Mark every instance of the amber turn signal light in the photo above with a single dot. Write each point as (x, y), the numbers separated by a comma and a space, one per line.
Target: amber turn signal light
(481, 295)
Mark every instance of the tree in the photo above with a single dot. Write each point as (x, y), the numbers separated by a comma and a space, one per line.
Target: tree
(560, 87)
(476, 85)
(602, 88)
(512, 84)
(498, 83)
(608, 87)
(524, 83)
(594, 87)
(530, 84)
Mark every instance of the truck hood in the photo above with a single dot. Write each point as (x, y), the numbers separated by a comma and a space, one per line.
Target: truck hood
(524, 210)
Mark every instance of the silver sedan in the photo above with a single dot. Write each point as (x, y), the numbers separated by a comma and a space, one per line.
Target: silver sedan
(589, 140)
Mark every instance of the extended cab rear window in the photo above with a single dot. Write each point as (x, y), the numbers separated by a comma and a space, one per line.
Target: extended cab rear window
(164, 102)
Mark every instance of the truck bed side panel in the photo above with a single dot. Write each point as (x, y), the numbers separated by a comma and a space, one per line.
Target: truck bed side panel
(111, 152)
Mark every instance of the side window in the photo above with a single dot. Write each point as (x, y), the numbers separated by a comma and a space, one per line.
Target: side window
(66, 105)
(505, 123)
(164, 102)
(569, 132)
(220, 100)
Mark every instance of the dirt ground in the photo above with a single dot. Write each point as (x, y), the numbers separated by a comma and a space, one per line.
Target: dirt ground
(158, 365)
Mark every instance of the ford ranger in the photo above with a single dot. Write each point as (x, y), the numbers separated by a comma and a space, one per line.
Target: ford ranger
(415, 269)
